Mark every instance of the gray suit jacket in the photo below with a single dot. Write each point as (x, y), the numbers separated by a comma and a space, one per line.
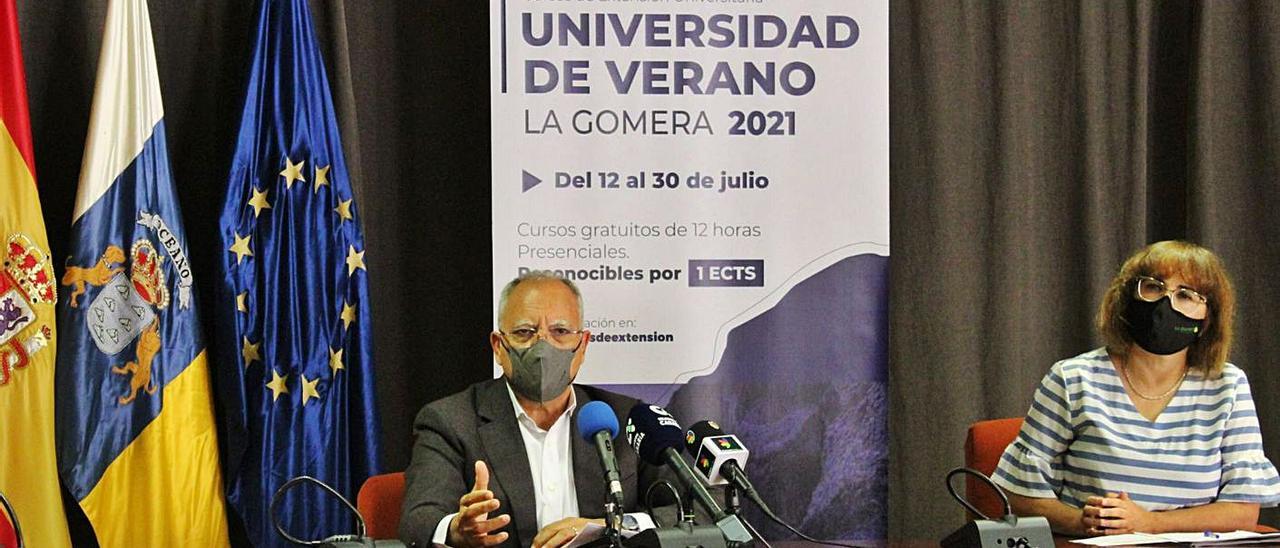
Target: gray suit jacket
(480, 424)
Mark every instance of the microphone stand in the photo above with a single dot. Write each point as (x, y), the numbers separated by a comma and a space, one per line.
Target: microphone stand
(613, 522)
(732, 502)
(686, 507)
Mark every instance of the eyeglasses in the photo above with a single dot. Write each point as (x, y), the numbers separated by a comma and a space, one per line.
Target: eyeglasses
(1184, 299)
(558, 336)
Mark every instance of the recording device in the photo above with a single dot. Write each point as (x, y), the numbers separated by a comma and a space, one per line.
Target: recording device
(657, 437)
(336, 541)
(720, 458)
(1009, 531)
(13, 520)
(716, 456)
(598, 424)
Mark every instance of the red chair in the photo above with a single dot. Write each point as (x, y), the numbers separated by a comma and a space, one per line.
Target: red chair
(379, 501)
(8, 531)
(983, 446)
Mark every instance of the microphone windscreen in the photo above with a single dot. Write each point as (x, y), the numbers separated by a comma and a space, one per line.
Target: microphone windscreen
(650, 430)
(594, 417)
(699, 430)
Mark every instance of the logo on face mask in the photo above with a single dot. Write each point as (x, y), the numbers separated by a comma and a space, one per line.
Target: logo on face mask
(1158, 328)
(540, 372)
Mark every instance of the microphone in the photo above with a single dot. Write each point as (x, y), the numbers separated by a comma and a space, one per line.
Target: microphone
(657, 437)
(598, 424)
(357, 540)
(719, 458)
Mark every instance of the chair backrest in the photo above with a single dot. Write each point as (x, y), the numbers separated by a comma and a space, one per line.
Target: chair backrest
(379, 501)
(8, 534)
(982, 449)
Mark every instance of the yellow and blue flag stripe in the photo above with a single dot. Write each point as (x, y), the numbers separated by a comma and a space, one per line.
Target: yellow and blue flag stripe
(136, 437)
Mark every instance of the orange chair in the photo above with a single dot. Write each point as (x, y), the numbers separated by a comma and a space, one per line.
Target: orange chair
(10, 532)
(379, 501)
(983, 446)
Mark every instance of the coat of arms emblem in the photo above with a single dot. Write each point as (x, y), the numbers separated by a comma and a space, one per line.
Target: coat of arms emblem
(125, 309)
(26, 280)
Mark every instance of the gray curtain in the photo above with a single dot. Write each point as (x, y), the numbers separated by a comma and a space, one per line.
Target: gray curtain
(1035, 145)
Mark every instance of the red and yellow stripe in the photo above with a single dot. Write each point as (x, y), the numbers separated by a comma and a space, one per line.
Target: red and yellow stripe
(28, 467)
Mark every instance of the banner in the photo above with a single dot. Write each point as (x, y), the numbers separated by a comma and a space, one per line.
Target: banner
(137, 446)
(715, 177)
(295, 360)
(28, 292)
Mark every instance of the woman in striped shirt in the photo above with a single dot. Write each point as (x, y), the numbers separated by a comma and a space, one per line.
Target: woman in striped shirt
(1155, 431)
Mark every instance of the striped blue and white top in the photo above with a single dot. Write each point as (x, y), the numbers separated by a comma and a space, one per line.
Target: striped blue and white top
(1084, 437)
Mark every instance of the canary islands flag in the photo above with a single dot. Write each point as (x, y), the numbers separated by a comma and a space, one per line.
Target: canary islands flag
(136, 436)
(293, 307)
(28, 470)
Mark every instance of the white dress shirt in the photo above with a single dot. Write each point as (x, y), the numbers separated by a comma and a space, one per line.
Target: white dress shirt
(550, 455)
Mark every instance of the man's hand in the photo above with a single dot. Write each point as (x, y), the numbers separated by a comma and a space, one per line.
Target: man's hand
(559, 533)
(1116, 514)
(471, 527)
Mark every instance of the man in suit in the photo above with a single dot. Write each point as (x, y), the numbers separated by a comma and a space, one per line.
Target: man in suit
(511, 444)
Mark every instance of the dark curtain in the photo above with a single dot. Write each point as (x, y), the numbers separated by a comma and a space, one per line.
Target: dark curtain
(1034, 146)
(410, 82)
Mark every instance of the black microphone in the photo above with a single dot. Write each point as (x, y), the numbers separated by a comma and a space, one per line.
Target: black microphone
(598, 424)
(719, 458)
(657, 437)
(336, 541)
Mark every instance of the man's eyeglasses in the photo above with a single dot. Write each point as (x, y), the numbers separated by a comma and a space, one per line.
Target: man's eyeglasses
(559, 337)
(1184, 299)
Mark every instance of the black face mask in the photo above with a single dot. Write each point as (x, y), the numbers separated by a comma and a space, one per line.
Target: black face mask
(1158, 328)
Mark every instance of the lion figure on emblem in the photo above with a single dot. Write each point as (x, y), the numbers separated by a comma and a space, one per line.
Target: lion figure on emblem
(96, 275)
(148, 347)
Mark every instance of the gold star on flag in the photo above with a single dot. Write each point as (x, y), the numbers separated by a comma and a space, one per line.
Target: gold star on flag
(277, 385)
(322, 177)
(259, 202)
(355, 260)
(335, 361)
(242, 302)
(309, 389)
(292, 173)
(343, 210)
(348, 314)
(241, 247)
(250, 352)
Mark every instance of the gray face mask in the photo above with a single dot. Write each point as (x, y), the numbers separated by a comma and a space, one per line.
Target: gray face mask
(540, 372)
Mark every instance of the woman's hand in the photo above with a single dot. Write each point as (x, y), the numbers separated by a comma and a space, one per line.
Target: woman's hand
(1116, 514)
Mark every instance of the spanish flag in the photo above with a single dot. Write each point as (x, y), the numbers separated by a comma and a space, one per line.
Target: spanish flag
(136, 441)
(28, 471)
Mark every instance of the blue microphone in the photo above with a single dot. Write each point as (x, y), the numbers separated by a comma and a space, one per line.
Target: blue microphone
(598, 424)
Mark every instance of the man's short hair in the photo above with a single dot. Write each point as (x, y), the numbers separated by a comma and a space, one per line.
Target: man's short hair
(536, 275)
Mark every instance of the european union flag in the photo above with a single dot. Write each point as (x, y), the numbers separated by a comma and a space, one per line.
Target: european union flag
(295, 373)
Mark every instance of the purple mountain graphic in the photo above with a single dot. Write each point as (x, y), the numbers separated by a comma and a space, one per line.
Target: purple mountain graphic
(804, 386)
